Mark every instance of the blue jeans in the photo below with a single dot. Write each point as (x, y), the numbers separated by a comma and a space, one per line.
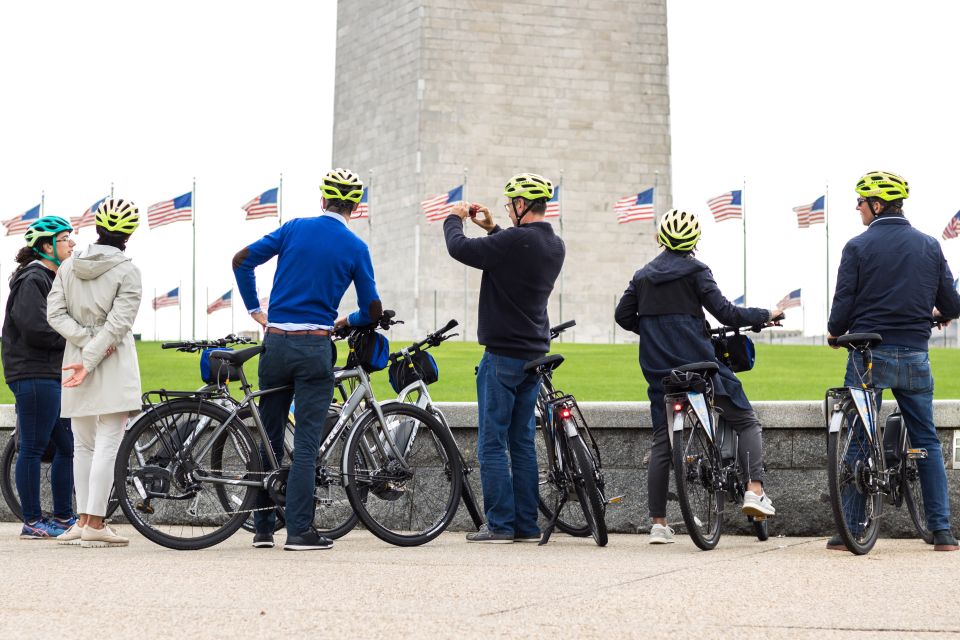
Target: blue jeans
(40, 424)
(907, 373)
(304, 362)
(507, 398)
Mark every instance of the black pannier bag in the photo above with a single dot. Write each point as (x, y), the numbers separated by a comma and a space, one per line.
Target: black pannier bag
(736, 351)
(419, 366)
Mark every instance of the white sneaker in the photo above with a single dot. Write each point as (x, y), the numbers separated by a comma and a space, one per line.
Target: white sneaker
(754, 505)
(71, 536)
(105, 537)
(661, 534)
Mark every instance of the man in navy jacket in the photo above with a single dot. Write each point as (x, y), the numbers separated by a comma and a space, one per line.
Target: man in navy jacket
(891, 279)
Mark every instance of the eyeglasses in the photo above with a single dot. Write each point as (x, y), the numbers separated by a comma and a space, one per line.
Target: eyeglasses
(860, 201)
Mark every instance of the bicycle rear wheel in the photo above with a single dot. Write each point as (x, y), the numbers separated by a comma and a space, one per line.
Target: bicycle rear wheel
(585, 484)
(855, 498)
(695, 468)
(913, 496)
(158, 487)
(571, 521)
(403, 505)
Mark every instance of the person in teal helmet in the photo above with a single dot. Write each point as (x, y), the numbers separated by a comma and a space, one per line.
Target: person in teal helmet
(32, 354)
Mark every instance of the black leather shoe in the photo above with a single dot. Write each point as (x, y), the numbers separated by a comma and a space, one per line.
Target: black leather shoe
(263, 541)
(309, 541)
(943, 540)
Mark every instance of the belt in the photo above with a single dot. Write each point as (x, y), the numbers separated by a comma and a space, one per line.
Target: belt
(302, 332)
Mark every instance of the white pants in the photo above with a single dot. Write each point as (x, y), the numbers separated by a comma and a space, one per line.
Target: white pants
(96, 440)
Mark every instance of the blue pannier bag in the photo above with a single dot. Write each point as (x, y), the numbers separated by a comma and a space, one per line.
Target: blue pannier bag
(224, 371)
(369, 350)
(736, 351)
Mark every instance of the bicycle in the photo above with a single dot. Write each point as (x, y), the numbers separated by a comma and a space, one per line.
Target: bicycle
(410, 365)
(867, 465)
(706, 463)
(195, 493)
(572, 468)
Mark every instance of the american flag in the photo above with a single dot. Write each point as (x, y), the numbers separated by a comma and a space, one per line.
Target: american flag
(553, 204)
(638, 206)
(264, 205)
(726, 206)
(20, 223)
(792, 299)
(87, 218)
(809, 214)
(952, 230)
(363, 209)
(169, 299)
(739, 301)
(168, 211)
(223, 302)
(438, 207)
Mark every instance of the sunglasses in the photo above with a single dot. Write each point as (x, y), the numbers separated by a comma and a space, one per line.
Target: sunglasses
(860, 201)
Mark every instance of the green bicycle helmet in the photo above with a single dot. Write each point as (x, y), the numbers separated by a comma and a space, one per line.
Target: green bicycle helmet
(117, 215)
(342, 184)
(46, 227)
(883, 185)
(529, 186)
(679, 230)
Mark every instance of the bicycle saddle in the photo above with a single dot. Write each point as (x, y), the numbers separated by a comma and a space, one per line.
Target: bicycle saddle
(706, 368)
(859, 340)
(237, 357)
(549, 362)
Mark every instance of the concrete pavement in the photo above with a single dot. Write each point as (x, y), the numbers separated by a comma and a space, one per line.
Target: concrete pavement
(364, 588)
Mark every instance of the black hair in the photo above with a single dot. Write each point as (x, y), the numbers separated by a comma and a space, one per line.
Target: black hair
(339, 206)
(537, 207)
(112, 238)
(890, 207)
(26, 255)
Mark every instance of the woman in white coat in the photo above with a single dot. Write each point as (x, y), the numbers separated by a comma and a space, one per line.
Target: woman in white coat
(93, 303)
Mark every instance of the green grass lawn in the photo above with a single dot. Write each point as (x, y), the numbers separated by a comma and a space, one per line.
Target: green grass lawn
(591, 372)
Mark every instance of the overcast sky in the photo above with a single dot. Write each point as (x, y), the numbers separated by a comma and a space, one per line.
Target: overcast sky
(787, 96)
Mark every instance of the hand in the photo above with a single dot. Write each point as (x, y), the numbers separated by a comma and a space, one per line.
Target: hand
(486, 222)
(341, 323)
(260, 317)
(941, 321)
(776, 314)
(77, 377)
(832, 341)
(461, 210)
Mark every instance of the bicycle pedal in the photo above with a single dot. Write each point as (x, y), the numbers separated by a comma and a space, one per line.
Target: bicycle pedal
(615, 500)
(917, 454)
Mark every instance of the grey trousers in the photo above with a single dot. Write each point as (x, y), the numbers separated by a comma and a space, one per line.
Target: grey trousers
(750, 451)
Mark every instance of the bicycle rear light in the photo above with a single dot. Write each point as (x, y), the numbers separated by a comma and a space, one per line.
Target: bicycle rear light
(565, 413)
(677, 406)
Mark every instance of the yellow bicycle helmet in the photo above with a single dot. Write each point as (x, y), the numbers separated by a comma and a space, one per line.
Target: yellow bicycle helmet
(342, 184)
(679, 230)
(883, 185)
(529, 186)
(117, 215)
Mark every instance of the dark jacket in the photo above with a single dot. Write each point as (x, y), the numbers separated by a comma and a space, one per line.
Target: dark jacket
(664, 305)
(890, 278)
(520, 266)
(30, 347)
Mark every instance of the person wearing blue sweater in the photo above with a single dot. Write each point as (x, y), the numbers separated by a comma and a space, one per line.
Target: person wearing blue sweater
(317, 259)
(892, 278)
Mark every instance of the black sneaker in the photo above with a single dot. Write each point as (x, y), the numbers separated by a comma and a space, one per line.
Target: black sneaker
(485, 535)
(943, 540)
(263, 541)
(309, 541)
(836, 543)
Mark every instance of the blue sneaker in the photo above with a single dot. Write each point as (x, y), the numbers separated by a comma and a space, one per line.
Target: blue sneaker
(63, 523)
(42, 529)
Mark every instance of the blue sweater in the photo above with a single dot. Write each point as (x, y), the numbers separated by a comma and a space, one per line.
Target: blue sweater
(317, 259)
(891, 277)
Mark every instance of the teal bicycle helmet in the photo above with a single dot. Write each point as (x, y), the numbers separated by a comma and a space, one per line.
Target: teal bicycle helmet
(46, 227)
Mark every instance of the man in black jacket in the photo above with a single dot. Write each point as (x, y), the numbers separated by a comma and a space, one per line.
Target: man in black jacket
(890, 280)
(520, 266)
(664, 305)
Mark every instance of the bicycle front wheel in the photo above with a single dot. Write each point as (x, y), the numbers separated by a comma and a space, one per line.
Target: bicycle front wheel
(404, 503)
(585, 484)
(855, 496)
(695, 468)
(913, 496)
(159, 485)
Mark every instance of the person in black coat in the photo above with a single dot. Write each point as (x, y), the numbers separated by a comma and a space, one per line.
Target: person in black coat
(664, 304)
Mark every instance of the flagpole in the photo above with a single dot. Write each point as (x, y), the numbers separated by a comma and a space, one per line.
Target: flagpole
(560, 211)
(743, 219)
(826, 230)
(464, 332)
(656, 182)
(154, 314)
(179, 309)
(193, 288)
(42, 199)
(369, 221)
(206, 297)
(111, 190)
(280, 202)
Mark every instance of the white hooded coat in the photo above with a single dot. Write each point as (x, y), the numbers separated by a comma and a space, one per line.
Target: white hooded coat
(93, 303)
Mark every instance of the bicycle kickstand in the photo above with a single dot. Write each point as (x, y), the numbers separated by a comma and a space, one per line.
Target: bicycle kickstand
(545, 537)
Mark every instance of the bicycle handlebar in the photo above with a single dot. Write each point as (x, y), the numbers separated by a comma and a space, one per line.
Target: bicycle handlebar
(385, 321)
(756, 328)
(560, 328)
(432, 340)
(935, 321)
(197, 345)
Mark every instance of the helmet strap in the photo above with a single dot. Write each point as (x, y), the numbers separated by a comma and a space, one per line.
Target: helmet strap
(52, 258)
(518, 216)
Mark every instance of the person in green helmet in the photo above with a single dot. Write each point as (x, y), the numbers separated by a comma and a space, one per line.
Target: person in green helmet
(32, 355)
(664, 304)
(520, 266)
(93, 304)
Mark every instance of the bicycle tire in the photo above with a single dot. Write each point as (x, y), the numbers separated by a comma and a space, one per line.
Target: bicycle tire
(913, 495)
(392, 503)
(695, 467)
(585, 484)
(572, 520)
(8, 483)
(847, 483)
(158, 425)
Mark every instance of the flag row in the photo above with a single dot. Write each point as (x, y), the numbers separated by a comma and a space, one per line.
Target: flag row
(172, 299)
